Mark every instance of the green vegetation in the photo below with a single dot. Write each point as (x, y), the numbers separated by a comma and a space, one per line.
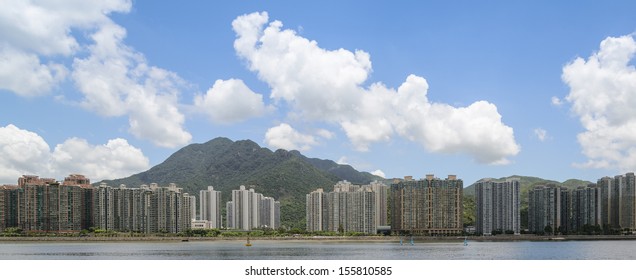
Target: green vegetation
(287, 176)
(469, 210)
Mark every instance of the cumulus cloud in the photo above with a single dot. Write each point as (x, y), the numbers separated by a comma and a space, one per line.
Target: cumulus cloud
(327, 85)
(342, 160)
(286, 137)
(115, 159)
(25, 152)
(603, 96)
(32, 34)
(23, 73)
(379, 173)
(115, 80)
(556, 101)
(541, 134)
(21, 152)
(298, 70)
(230, 101)
(326, 134)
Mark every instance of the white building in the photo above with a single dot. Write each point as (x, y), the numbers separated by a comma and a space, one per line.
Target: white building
(250, 210)
(210, 207)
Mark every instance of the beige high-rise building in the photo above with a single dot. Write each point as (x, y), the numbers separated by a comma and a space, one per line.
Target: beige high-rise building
(430, 206)
(349, 207)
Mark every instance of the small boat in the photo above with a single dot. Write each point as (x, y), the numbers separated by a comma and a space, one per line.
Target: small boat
(465, 241)
(248, 244)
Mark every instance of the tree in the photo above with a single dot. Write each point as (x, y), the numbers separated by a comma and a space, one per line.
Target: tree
(548, 230)
(562, 230)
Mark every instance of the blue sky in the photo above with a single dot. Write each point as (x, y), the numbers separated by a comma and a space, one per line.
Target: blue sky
(109, 89)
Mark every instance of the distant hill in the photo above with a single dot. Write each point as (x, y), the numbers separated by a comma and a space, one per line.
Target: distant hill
(286, 176)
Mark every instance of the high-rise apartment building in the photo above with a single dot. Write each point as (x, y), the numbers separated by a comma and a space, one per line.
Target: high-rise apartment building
(381, 203)
(627, 190)
(586, 208)
(610, 198)
(352, 209)
(497, 206)
(349, 207)
(11, 210)
(148, 209)
(210, 207)
(251, 210)
(316, 209)
(270, 213)
(427, 206)
(548, 208)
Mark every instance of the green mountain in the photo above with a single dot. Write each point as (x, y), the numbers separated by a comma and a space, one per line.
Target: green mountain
(526, 183)
(286, 176)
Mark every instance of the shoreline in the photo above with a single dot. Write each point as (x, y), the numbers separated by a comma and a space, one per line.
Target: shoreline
(425, 239)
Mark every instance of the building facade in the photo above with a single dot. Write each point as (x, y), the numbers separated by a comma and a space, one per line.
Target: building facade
(585, 207)
(548, 209)
(430, 206)
(316, 209)
(348, 208)
(627, 192)
(251, 210)
(147, 209)
(497, 207)
(210, 207)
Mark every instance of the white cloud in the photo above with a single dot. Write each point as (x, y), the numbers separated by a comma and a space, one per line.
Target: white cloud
(45, 27)
(21, 152)
(285, 137)
(541, 134)
(603, 96)
(379, 173)
(291, 65)
(25, 152)
(230, 101)
(32, 34)
(342, 160)
(326, 134)
(23, 73)
(114, 79)
(115, 159)
(327, 85)
(556, 101)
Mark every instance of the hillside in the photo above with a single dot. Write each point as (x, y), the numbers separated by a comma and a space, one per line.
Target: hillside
(286, 176)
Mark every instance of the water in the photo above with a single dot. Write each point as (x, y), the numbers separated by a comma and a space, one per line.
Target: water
(313, 250)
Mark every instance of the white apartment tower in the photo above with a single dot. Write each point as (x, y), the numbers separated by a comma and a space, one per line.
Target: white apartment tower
(250, 210)
(210, 207)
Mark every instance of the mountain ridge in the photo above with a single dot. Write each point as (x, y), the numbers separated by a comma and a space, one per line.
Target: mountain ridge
(287, 176)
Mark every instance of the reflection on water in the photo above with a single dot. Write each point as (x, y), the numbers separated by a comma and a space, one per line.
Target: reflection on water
(312, 250)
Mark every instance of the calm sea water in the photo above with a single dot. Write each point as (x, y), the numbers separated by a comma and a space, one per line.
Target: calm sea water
(313, 250)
